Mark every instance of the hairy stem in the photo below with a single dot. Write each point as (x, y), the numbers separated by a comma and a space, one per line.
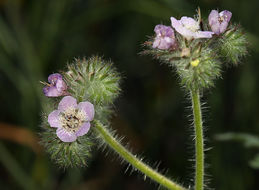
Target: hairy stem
(133, 160)
(199, 152)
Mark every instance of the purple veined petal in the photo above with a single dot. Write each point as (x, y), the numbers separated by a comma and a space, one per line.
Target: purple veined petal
(54, 77)
(190, 23)
(88, 108)
(226, 15)
(219, 21)
(215, 27)
(162, 30)
(67, 102)
(61, 85)
(166, 43)
(213, 17)
(53, 119)
(51, 91)
(177, 25)
(156, 42)
(65, 136)
(158, 29)
(164, 37)
(83, 129)
(223, 27)
(204, 34)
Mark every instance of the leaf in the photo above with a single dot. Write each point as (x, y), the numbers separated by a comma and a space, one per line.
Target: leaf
(247, 140)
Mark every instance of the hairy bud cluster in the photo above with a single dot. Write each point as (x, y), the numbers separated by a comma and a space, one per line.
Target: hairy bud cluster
(195, 52)
(91, 87)
(93, 79)
(233, 45)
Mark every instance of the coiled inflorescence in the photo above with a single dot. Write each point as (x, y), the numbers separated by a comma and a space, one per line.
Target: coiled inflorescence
(197, 49)
(67, 135)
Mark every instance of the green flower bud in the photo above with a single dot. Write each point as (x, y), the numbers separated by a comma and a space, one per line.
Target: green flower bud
(93, 79)
(233, 45)
(199, 70)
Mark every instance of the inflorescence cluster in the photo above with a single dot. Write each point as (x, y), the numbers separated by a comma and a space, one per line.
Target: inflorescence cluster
(197, 48)
(82, 96)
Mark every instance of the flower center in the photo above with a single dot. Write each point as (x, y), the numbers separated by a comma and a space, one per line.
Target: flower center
(192, 27)
(222, 17)
(72, 119)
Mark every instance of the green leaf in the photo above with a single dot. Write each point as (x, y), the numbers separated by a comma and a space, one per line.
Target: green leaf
(247, 140)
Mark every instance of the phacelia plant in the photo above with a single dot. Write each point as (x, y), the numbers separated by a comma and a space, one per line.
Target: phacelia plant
(81, 98)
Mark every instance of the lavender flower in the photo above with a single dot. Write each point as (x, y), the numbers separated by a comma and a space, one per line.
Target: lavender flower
(71, 119)
(189, 28)
(56, 87)
(219, 21)
(164, 37)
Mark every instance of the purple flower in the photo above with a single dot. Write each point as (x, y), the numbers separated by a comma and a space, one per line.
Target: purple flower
(71, 119)
(56, 87)
(189, 28)
(164, 37)
(219, 21)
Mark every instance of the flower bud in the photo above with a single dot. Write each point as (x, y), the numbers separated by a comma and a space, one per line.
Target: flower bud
(200, 70)
(93, 80)
(56, 87)
(165, 38)
(219, 21)
(233, 45)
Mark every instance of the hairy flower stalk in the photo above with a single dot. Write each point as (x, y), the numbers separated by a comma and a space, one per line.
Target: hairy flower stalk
(198, 59)
(133, 160)
(74, 124)
(199, 144)
(67, 135)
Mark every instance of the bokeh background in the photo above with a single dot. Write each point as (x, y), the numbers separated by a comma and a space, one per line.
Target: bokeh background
(38, 37)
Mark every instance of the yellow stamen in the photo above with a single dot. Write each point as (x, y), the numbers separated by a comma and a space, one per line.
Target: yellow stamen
(195, 63)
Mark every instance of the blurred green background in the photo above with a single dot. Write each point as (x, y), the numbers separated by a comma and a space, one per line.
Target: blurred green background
(38, 37)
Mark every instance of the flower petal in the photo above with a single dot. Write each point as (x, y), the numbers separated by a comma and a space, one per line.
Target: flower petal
(54, 77)
(51, 91)
(213, 17)
(88, 108)
(177, 25)
(156, 42)
(204, 34)
(219, 21)
(83, 129)
(190, 23)
(53, 119)
(61, 86)
(67, 102)
(226, 14)
(65, 136)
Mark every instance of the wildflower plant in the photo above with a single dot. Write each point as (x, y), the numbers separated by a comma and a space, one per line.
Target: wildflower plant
(76, 119)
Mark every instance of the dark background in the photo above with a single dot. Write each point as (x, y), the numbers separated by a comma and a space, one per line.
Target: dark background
(38, 37)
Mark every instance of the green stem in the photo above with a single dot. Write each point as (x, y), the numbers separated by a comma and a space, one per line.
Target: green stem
(133, 160)
(199, 154)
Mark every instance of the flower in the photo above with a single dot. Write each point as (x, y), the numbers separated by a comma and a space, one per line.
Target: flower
(189, 28)
(164, 37)
(56, 87)
(219, 21)
(71, 119)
